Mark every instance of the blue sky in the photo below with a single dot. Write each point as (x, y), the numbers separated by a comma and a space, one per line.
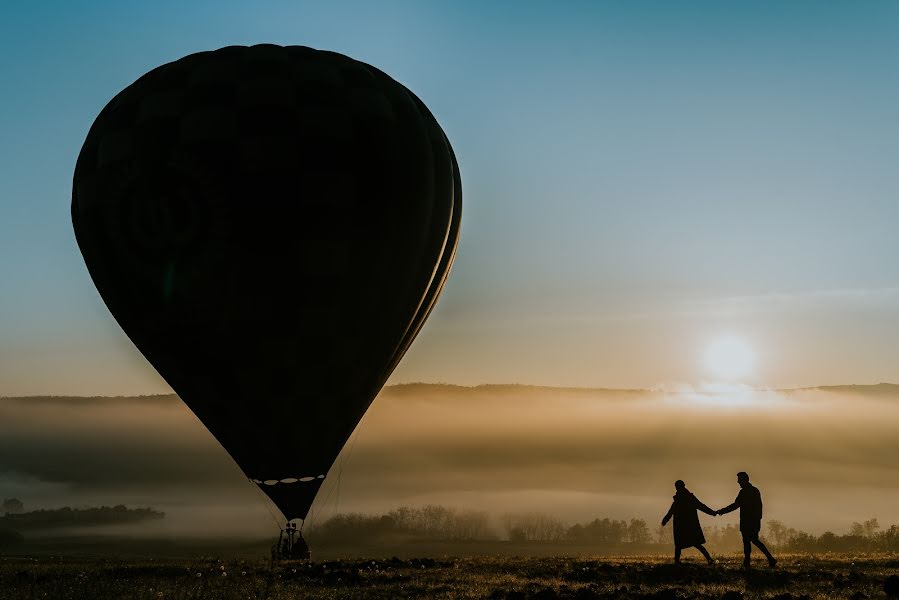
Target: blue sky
(639, 178)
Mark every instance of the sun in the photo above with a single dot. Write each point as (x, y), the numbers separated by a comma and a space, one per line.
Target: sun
(729, 357)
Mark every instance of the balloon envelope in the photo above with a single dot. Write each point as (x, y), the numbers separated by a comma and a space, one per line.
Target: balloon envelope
(271, 226)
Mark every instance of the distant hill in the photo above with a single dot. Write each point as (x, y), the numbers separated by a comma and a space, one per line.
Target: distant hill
(877, 389)
(159, 399)
(411, 389)
(447, 389)
(77, 517)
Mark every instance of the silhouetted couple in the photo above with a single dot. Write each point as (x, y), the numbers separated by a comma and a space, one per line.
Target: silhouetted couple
(688, 532)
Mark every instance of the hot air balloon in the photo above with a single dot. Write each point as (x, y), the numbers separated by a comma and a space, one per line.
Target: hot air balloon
(271, 227)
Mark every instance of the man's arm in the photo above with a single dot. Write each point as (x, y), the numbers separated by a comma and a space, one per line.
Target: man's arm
(734, 506)
(730, 508)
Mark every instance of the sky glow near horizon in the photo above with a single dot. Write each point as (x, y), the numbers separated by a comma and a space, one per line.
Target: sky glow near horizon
(638, 178)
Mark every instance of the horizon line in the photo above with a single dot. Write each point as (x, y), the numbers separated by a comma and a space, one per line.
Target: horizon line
(508, 385)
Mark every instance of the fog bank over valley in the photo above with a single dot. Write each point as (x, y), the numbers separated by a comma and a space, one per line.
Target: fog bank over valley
(822, 457)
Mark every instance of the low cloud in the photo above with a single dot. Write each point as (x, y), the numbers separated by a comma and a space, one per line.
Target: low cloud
(817, 454)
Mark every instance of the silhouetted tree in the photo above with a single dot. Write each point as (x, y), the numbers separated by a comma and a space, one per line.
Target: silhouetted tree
(12, 506)
(866, 529)
(777, 532)
(605, 531)
(471, 525)
(725, 538)
(638, 532)
(535, 526)
(664, 535)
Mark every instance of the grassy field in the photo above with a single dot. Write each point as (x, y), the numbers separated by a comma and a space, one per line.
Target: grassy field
(543, 578)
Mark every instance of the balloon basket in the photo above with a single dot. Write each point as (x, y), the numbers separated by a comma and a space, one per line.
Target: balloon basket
(291, 546)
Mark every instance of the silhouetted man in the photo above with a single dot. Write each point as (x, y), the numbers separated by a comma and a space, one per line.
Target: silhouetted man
(749, 501)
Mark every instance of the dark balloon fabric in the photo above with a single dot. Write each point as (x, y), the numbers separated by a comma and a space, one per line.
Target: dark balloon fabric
(271, 226)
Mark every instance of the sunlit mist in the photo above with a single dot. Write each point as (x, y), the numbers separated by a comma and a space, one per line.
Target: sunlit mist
(574, 453)
(729, 357)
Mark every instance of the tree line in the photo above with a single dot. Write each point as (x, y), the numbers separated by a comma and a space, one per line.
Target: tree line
(430, 522)
(540, 527)
(76, 517)
(866, 536)
(439, 523)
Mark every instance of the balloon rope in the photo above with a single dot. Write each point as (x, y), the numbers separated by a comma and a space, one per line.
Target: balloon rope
(267, 502)
(313, 516)
(343, 458)
(339, 477)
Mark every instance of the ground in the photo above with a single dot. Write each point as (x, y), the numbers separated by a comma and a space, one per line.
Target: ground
(543, 578)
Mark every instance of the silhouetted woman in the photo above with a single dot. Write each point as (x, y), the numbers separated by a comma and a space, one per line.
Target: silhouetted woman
(687, 532)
